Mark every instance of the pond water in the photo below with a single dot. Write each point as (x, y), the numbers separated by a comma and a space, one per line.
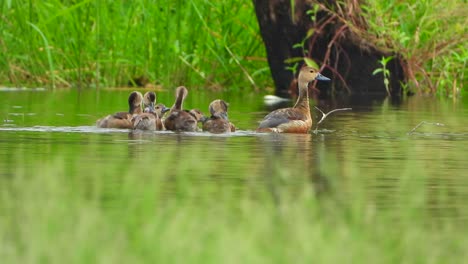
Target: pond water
(374, 138)
(372, 152)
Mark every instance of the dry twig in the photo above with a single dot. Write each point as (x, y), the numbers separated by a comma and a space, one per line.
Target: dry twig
(325, 115)
(424, 122)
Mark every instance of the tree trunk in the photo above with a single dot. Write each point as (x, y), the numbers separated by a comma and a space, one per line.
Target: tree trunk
(343, 51)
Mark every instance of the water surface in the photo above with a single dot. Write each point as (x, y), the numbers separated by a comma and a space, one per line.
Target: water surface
(369, 160)
(375, 141)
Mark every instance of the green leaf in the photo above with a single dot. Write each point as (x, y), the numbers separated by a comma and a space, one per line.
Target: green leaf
(292, 60)
(298, 45)
(310, 32)
(385, 60)
(310, 62)
(376, 71)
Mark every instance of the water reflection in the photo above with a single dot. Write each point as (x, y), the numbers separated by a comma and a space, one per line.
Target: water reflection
(277, 152)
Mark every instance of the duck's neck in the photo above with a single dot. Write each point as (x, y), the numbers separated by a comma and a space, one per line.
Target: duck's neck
(179, 101)
(134, 109)
(303, 98)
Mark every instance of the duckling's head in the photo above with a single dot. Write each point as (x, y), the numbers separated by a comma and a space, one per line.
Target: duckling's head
(134, 101)
(309, 74)
(160, 109)
(149, 99)
(181, 92)
(218, 107)
(198, 115)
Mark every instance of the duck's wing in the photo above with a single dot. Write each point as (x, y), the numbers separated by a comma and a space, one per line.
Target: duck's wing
(180, 120)
(281, 116)
(121, 115)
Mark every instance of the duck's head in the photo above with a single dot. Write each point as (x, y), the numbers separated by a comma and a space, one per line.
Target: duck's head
(181, 92)
(149, 99)
(218, 108)
(198, 115)
(160, 109)
(134, 101)
(309, 74)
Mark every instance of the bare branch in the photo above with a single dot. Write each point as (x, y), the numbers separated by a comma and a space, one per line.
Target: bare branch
(325, 115)
(421, 123)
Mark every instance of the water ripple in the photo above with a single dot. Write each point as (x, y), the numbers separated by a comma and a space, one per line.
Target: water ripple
(94, 129)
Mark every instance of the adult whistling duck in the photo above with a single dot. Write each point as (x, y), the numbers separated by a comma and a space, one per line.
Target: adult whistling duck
(179, 119)
(150, 119)
(218, 122)
(123, 119)
(296, 119)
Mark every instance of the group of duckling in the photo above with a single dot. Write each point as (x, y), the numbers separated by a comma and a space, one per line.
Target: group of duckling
(145, 114)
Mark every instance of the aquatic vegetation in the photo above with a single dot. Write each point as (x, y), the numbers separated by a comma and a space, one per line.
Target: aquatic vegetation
(430, 35)
(385, 72)
(427, 37)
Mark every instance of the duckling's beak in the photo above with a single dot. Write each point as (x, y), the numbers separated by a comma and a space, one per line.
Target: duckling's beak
(224, 115)
(320, 77)
(149, 108)
(165, 109)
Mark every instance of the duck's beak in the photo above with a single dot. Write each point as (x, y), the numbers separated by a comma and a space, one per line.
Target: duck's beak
(165, 109)
(224, 115)
(149, 108)
(320, 77)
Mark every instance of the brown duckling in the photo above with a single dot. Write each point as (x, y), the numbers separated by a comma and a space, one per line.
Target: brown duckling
(296, 119)
(160, 110)
(149, 101)
(178, 119)
(151, 118)
(197, 114)
(218, 122)
(123, 119)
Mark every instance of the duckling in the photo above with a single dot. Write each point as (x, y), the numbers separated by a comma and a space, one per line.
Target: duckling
(296, 119)
(218, 122)
(123, 119)
(178, 119)
(197, 114)
(149, 100)
(151, 118)
(160, 110)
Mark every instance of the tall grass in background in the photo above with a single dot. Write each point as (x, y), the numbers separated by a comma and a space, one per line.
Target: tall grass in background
(431, 35)
(203, 43)
(112, 43)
